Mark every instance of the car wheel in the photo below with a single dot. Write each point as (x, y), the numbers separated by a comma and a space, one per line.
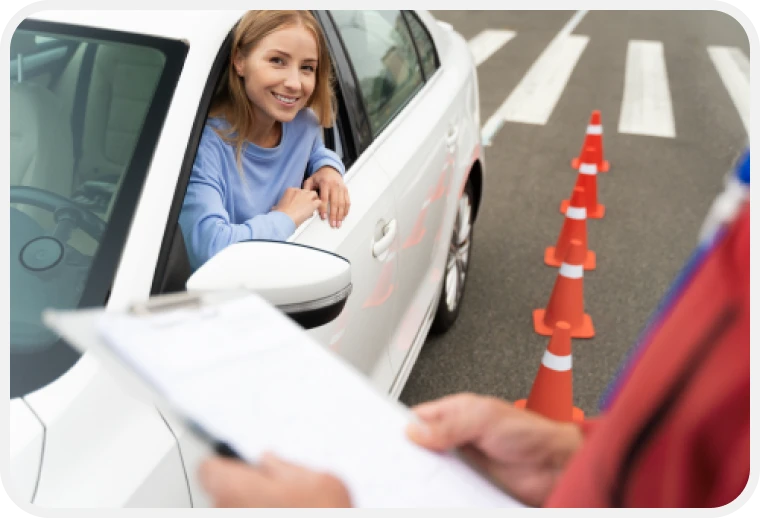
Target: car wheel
(457, 265)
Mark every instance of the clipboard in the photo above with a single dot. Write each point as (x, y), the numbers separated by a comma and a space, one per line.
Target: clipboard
(80, 330)
(246, 379)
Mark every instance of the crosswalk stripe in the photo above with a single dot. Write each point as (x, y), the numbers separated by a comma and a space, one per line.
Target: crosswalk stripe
(534, 98)
(487, 42)
(733, 68)
(647, 108)
(528, 91)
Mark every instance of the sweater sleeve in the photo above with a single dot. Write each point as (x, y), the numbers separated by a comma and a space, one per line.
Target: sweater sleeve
(205, 222)
(321, 156)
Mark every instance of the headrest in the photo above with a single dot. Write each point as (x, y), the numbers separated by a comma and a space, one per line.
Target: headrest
(23, 43)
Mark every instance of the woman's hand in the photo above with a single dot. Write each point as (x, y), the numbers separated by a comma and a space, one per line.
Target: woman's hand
(332, 191)
(299, 204)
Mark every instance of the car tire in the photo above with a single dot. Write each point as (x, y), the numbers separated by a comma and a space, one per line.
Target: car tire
(457, 264)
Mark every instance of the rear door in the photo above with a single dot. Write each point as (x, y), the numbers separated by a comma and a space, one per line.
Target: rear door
(414, 127)
(368, 238)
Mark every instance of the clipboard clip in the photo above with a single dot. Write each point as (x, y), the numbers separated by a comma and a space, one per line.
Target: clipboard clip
(176, 301)
(169, 302)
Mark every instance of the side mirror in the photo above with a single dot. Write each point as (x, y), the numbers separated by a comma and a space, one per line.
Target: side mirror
(309, 285)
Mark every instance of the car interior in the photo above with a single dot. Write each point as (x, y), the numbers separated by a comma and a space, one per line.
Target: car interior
(76, 110)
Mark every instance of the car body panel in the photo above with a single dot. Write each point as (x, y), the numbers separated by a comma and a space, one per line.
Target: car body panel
(106, 447)
(27, 439)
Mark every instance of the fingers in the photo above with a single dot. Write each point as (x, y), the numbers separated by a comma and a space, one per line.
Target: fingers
(339, 205)
(454, 421)
(317, 204)
(325, 195)
(333, 195)
(344, 203)
(335, 201)
(231, 483)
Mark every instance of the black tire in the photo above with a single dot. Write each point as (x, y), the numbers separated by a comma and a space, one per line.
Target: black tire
(447, 312)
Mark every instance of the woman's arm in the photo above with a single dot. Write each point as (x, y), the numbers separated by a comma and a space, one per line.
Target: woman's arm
(325, 175)
(321, 157)
(205, 222)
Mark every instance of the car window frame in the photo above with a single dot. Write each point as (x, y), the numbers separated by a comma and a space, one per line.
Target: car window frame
(407, 14)
(369, 138)
(105, 262)
(355, 114)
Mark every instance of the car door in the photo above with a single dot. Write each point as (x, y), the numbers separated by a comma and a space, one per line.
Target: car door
(415, 131)
(368, 238)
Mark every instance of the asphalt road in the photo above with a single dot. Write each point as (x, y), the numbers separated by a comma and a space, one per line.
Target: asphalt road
(656, 193)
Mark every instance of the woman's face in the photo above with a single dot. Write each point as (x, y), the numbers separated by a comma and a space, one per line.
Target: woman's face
(280, 73)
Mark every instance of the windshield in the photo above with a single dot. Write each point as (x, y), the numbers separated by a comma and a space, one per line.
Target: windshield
(86, 108)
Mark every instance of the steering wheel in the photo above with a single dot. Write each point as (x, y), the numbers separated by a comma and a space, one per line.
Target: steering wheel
(44, 271)
(67, 214)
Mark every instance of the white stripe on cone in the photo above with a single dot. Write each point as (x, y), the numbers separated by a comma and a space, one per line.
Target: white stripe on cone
(594, 129)
(576, 212)
(587, 169)
(557, 363)
(571, 271)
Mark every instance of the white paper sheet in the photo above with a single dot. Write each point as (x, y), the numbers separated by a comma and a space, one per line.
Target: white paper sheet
(249, 376)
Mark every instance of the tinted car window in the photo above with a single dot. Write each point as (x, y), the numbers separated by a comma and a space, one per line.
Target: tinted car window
(382, 53)
(424, 43)
(86, 110)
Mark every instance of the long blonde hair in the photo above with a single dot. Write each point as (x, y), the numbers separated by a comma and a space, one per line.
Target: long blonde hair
(231, 101)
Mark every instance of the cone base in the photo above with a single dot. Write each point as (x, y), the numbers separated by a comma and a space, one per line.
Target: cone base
(585, 330)
(604, 167)
(598, 213)
(589, 264)
(578, 414)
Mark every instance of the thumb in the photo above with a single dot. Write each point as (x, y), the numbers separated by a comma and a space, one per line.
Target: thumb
(453, 421)
(308, 185)
(216, 475)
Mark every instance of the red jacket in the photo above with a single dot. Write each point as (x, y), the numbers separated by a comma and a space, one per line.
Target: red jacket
(678, 433)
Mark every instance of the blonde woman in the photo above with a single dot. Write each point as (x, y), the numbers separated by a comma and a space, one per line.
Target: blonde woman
(263, 132)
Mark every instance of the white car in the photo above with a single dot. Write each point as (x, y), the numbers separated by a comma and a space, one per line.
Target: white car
(106, 112)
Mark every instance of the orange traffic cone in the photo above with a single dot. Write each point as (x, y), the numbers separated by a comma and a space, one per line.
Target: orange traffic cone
(552, 391)
(566, 301)
(587, 180)
(594, 139)
(573, 228)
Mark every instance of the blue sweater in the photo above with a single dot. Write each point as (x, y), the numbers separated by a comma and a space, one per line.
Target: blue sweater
(221, 209)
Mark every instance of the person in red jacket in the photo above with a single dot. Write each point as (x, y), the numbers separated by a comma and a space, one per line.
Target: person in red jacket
(676, 435)
(674, 431)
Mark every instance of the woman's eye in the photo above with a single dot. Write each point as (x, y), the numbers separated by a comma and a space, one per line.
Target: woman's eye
(276, 61)
(310, 68)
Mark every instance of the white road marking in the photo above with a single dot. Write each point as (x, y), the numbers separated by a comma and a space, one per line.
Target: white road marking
(647, 108)
(733, 68)
(487, 42)
(533, 99)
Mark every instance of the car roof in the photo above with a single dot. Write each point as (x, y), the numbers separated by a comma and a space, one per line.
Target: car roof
(194, 26)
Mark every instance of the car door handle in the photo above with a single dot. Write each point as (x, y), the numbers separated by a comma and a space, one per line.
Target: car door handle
(451, 136)
(384, 243)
